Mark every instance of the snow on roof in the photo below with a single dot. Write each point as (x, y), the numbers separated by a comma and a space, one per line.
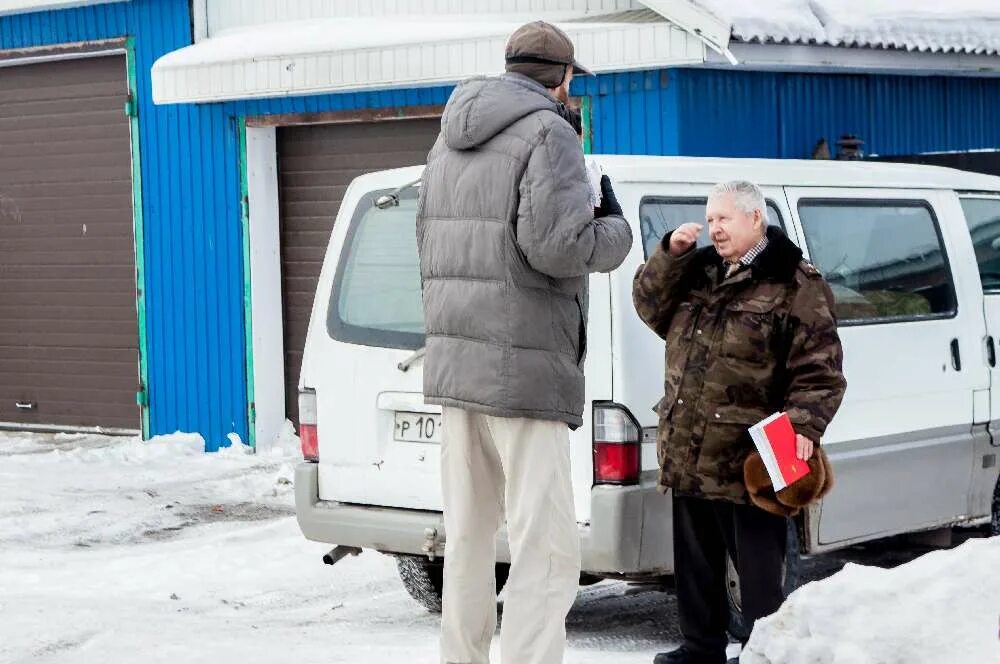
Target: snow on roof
(340, 54)
(261, 56)
(961, 26)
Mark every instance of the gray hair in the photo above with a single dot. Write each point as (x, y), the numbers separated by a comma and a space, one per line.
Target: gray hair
(746, 195)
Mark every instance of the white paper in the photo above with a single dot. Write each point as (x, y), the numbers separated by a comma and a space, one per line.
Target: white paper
(594, 173)
(766, 453)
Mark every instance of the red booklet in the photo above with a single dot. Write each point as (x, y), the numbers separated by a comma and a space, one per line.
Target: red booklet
(775, 440)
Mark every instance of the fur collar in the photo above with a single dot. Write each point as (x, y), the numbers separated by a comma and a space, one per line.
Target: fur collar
(778, 262)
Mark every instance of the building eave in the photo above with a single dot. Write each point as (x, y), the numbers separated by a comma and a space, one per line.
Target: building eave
(303, 59)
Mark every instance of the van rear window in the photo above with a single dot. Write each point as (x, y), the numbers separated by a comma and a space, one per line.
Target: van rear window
(376, 296)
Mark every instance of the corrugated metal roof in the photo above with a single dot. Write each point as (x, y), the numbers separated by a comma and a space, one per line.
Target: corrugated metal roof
(308, 57)
(958, 26)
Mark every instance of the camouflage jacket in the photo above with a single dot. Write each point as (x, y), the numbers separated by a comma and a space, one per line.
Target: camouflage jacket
(737, 350)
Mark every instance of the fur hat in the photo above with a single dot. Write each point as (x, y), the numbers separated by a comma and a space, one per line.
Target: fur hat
(794, 497)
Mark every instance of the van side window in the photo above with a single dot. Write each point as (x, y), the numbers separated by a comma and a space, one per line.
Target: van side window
(884, 260)
(983, 217)
(658, 216)
(376, 296)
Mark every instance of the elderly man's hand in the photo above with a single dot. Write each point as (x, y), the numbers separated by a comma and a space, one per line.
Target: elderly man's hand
(684, 238)
(804, 447)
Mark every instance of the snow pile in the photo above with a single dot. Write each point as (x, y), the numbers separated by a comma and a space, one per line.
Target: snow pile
(285, 445)
(138, 490)
(970, 26)
(942, 607)
(128, 451)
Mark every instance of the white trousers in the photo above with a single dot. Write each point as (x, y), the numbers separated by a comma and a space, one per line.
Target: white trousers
(494, 467)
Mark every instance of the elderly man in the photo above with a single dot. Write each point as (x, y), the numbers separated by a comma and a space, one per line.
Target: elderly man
(508, 235)
(749, 331)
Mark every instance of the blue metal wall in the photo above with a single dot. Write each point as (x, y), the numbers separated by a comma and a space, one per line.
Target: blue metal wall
(191, 209)
(783, 115)
(632, 113)
(193, 247)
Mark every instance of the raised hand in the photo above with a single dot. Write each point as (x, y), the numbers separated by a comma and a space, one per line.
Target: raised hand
(684, 238)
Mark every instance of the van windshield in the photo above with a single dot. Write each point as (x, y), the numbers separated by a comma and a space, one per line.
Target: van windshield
(376, 296)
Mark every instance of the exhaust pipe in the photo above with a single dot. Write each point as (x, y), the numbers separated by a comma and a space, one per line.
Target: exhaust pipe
(338, 553)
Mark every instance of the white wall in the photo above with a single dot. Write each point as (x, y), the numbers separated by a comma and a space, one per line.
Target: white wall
(227, 14)
(265, 285)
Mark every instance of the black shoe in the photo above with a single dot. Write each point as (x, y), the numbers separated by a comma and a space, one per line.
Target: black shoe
(685, 655)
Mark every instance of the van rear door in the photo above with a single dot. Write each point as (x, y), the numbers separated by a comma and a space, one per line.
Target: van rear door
(379, 444)
(982, 215)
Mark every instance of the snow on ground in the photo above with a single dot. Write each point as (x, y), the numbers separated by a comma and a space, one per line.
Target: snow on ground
(941, 607)
(85, 490)
(114, 550)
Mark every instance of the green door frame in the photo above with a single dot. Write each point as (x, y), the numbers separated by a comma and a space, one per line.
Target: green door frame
(132, 111)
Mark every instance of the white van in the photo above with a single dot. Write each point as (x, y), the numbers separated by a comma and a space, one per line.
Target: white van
(911, 252)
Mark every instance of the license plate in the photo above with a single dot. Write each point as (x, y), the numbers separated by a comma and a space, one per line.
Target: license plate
(417, 428)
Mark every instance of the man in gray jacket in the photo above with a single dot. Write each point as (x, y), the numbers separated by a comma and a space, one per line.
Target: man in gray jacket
(507, 236)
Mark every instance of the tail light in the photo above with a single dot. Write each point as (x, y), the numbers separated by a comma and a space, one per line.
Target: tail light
(617, 443)
(308, 435)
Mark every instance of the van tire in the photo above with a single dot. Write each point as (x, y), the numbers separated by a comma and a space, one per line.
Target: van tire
(793, 568)
(424, 579)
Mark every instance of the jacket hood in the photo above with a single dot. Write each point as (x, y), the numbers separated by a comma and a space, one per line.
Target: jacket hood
(481, 108)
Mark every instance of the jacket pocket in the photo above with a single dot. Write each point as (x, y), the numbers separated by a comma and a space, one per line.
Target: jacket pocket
(581, 346)
(682, 325)
(727, 441)
(747, 330)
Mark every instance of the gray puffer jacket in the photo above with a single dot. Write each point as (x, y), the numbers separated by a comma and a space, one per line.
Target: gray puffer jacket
(507, 239)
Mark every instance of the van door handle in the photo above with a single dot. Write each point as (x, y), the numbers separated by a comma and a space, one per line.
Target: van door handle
(956, 355)
(991, 351)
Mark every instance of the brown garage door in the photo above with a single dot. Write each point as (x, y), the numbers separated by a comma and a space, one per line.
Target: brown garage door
(68, 330)
(316, 163)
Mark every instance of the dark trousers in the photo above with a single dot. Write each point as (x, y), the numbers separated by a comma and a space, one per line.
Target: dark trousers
(704, 531)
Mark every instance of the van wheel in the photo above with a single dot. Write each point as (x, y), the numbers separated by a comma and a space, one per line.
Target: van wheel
(424, 579)
(790, 581)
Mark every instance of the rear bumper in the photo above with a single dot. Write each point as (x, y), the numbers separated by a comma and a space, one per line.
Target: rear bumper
(628, 534)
